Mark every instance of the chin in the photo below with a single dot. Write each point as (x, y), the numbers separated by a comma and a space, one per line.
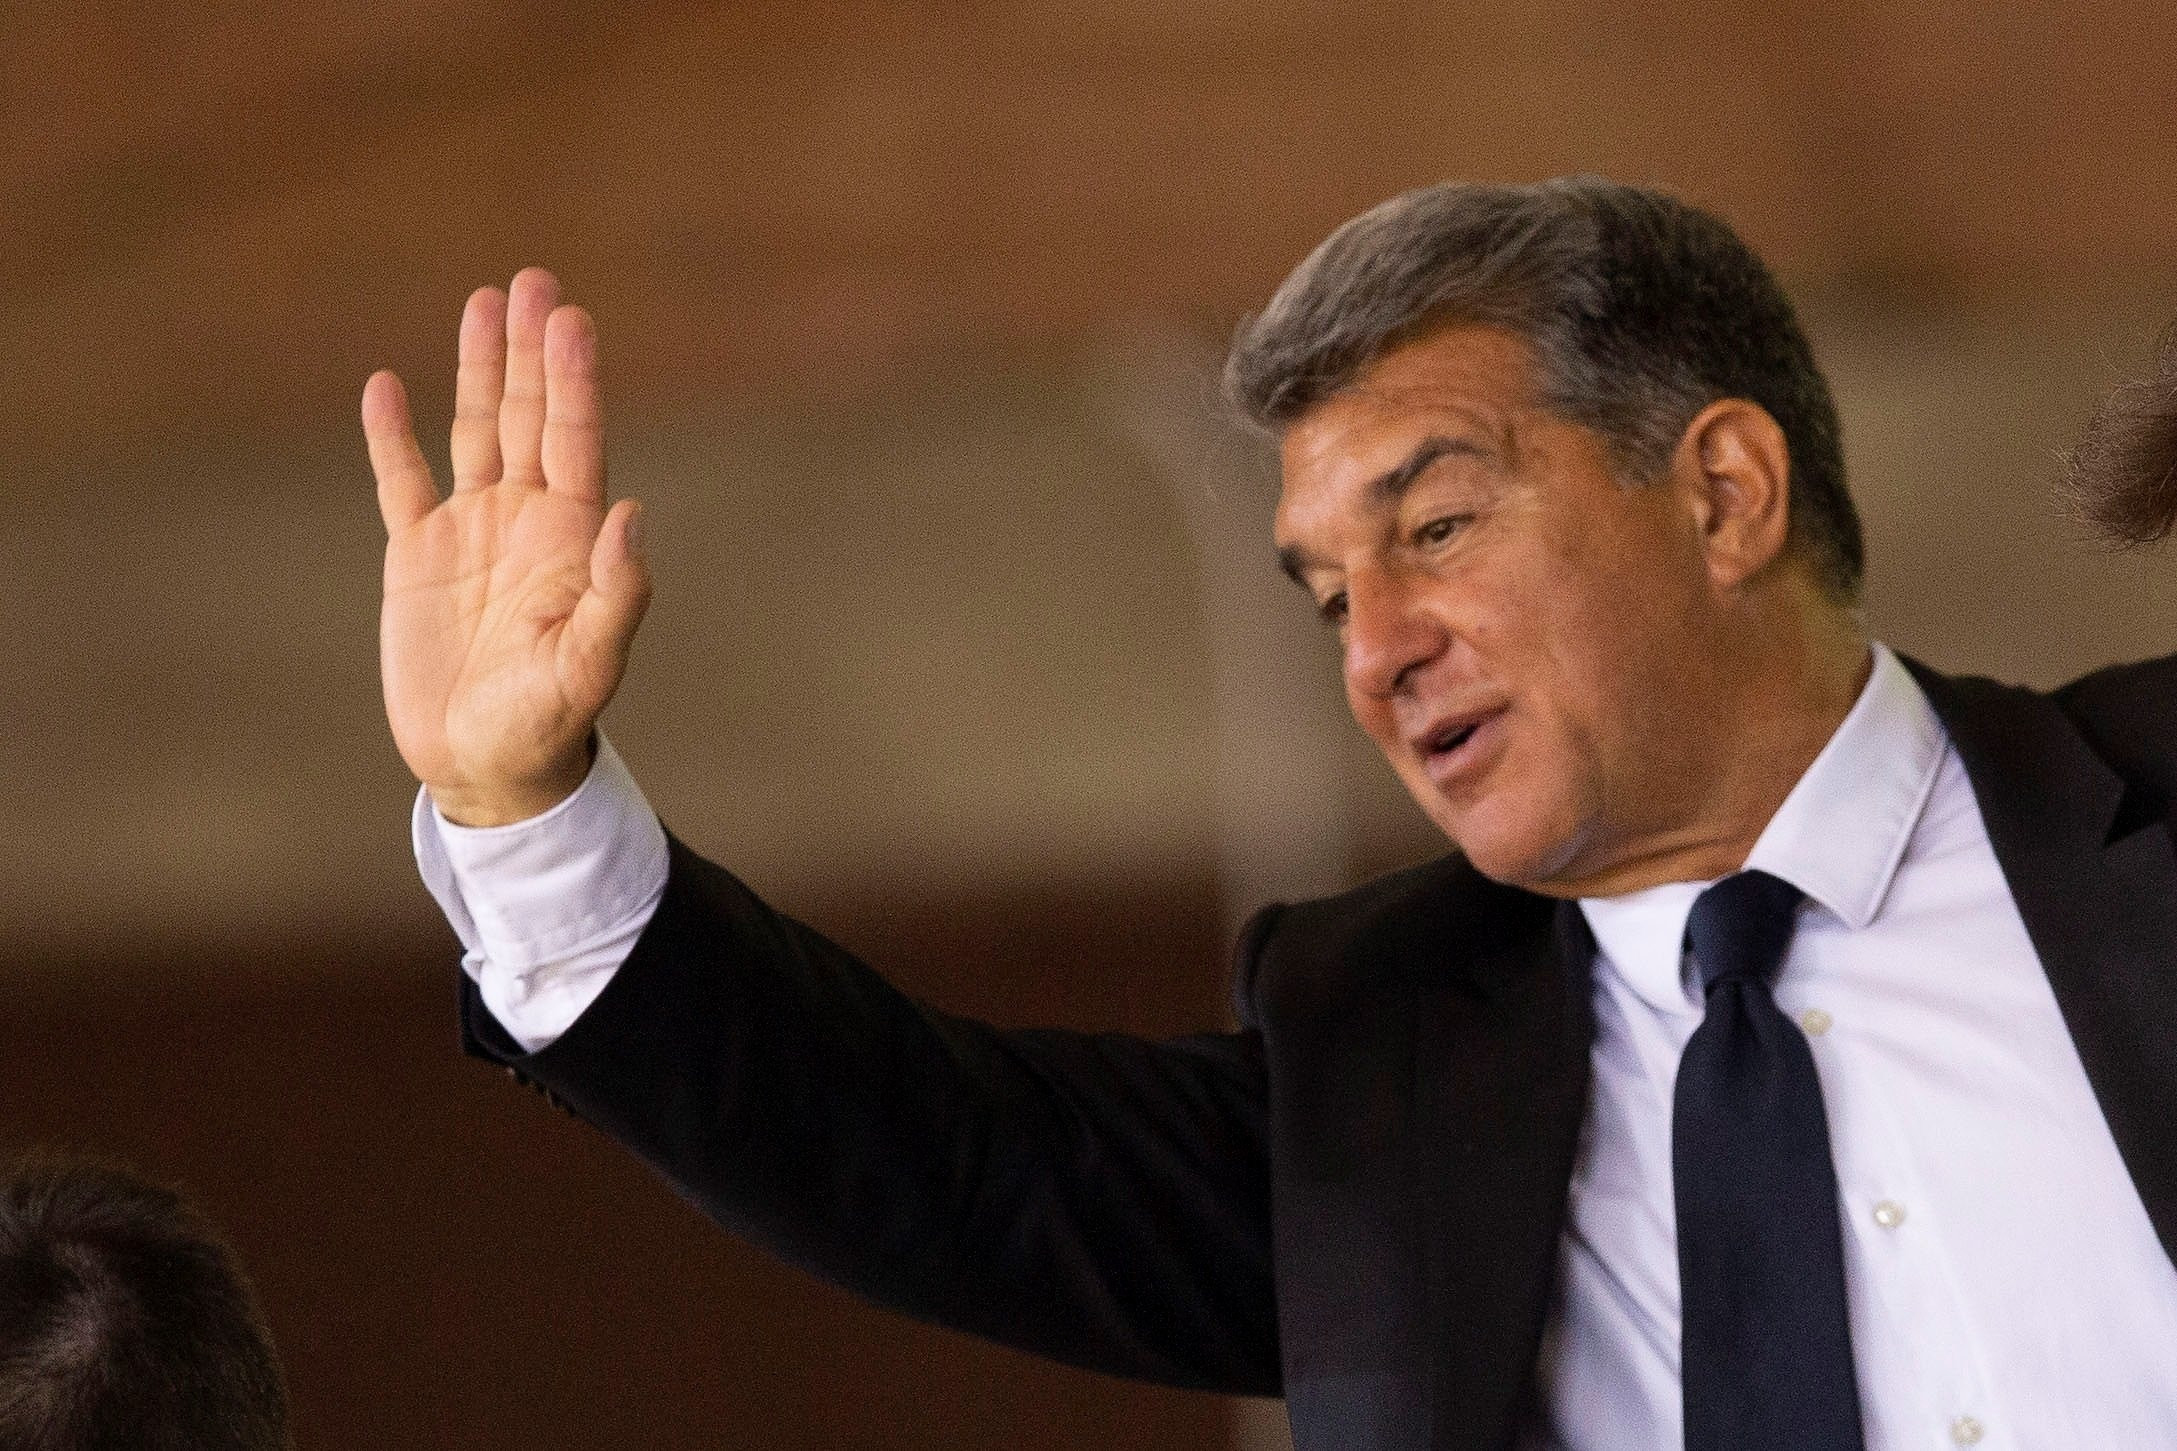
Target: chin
(1523, 852)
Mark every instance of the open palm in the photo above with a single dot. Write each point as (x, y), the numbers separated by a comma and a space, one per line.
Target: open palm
(511, 603)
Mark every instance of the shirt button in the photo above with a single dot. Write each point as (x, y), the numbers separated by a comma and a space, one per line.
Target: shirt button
(1814, 1022)
(1890, 1214)
(1965, 1431)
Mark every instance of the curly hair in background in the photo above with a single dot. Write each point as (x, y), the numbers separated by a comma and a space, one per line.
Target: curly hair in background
(2121, 477)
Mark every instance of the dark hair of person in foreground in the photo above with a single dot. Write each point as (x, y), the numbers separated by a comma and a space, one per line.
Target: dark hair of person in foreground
(125, 1321)
(2121, 477)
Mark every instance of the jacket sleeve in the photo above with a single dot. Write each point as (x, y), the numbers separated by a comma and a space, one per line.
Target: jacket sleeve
(1099, 1199)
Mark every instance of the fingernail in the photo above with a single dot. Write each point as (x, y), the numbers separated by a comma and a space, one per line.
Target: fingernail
(635, 529)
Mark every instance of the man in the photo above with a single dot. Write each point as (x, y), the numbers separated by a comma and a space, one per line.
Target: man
(1779, 1060)
(125, 1322)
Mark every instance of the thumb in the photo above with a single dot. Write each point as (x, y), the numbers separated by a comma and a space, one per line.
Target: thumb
(602, 628)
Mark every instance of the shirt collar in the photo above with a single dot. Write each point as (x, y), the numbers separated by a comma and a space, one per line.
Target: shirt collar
(1838, 837)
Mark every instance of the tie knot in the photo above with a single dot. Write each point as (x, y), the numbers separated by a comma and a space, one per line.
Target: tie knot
(1741, 926)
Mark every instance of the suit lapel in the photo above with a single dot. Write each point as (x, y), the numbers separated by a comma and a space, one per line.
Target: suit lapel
(2099, 900)
(1427, 1051)
(1501, 1082)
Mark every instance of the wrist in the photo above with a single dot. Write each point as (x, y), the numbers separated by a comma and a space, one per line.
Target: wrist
(503, 803)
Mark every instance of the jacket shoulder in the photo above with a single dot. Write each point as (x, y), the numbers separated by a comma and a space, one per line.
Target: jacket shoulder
(2122, 716)
(2128, 714)
(2117, 692)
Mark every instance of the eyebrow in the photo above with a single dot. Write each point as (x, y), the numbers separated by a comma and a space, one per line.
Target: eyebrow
(1388, 487)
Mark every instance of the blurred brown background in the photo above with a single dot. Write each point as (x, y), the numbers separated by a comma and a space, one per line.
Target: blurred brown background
(966, 641)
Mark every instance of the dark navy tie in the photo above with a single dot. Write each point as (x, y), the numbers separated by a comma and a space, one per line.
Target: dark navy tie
(1766, 1353)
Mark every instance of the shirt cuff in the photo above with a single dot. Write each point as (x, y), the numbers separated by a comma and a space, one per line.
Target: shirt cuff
(548, 908)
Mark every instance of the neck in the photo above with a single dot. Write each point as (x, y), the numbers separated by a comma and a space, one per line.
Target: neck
(1779, 706)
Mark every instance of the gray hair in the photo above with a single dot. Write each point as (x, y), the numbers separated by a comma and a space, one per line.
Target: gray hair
(1641, 311)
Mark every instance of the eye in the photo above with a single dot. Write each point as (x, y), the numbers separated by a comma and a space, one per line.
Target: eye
(1441, 529)
(1332, 609)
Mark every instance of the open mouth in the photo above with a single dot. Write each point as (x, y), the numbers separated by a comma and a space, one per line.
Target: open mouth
(1451, 738)
(1451, 745)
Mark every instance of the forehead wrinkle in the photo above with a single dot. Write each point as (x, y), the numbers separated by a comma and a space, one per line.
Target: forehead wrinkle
(1453, 405)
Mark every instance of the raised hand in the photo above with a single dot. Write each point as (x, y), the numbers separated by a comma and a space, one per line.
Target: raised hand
(511, 603)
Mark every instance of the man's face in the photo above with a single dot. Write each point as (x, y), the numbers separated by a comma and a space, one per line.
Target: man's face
(1524, 634)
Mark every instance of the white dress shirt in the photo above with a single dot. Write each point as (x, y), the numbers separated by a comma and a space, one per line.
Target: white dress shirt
(2006, 1287)
(548, 908)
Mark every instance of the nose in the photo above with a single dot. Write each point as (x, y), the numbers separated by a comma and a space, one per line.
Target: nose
(1389, 634)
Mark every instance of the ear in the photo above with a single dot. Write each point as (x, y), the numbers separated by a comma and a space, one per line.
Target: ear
(1735, 465)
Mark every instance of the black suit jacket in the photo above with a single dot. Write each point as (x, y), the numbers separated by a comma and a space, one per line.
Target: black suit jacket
(1355, 1200)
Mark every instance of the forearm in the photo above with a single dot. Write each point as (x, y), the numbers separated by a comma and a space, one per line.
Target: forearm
(1098, 1199)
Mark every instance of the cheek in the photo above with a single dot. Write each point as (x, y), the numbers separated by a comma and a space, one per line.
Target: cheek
(1611, 709)
(1565, 651)
(1596, 619)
